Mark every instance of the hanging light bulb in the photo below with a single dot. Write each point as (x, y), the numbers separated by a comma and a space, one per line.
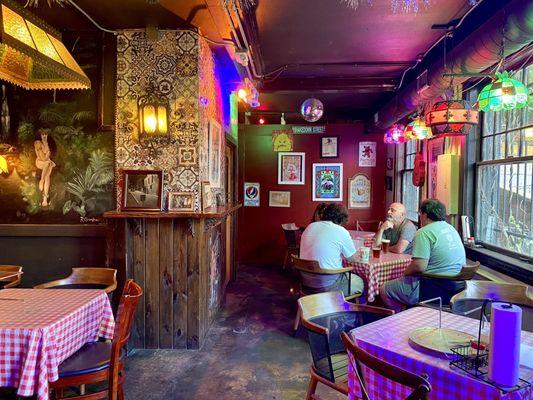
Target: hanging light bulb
(417, 130)
(503, 94)
(395, 135)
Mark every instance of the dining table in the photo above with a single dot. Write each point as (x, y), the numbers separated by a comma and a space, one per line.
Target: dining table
(376, 271)
(40, 328)
(389, 339)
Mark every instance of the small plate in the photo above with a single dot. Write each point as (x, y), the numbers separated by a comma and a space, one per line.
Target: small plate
(440, 339)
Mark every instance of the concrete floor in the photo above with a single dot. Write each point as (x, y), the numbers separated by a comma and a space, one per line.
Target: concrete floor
(249, 353)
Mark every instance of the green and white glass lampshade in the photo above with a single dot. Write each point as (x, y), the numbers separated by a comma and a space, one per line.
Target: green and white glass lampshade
(503, 94)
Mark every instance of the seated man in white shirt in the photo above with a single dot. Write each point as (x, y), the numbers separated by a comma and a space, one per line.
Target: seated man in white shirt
(326, 241)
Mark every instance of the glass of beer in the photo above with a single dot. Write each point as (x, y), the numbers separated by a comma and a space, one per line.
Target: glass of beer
(385, 245)
(376, 251)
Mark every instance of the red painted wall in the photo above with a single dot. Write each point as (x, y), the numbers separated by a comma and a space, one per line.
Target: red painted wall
(261, 239)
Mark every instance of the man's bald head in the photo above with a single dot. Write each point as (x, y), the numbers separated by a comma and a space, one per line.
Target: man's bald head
(396, 213)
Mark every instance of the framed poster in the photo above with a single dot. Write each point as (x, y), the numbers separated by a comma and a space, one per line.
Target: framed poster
(435, 149)
(329, 147)
(207, 198)
(214, 152)
(359, 191)
(282, 140)
(251, 194)
(327, 182)
(279, 199)
(291, 168)
(142, 190)
(181, 201)
(367, 154)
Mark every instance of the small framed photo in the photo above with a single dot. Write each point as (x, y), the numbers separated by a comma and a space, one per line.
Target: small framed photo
(279, 199)
(207, 198)
(181, 201)
(291, 168)
(329, 147)
(142, 190)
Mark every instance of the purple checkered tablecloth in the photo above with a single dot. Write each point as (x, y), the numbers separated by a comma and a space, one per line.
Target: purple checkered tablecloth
(388, 339)
(40, 328)
(379, 270)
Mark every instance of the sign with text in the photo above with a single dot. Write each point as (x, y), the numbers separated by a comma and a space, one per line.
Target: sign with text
(308, 129)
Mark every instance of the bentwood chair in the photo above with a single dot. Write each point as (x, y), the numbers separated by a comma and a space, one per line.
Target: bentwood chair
(420, 384)
(85, 278)
(325, 316)
(469, 301)
(102, 361)
(313, 267)
(293, 235)
(445, 287)
(12, 281)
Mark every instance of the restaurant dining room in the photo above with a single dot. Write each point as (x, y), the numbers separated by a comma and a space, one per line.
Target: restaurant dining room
(266, 199)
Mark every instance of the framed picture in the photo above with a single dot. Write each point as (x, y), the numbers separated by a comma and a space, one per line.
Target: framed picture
(291, 168)
(367, 154)
(359, 191)
(435, 149)
(251, 194)
(181, 201)
(329, 147)
(142, 190)
(207, 198)
(282, 140)
(214, 152)
(279, 199)
(327, 182)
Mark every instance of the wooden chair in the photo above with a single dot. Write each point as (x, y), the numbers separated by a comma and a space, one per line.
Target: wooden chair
(85, 278)
(293, 235)
(13, 281)
(420, 384)
(102, 361)
(313, 267)
(469, 301)
(445, 287)
(325, 316)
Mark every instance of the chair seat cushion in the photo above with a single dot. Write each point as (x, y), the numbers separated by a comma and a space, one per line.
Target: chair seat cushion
(92, 357)
(81, 286)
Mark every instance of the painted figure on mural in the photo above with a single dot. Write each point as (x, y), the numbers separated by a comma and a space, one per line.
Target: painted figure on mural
(44, 163)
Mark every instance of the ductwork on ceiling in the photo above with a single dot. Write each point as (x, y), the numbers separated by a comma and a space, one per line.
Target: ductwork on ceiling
(475, 54)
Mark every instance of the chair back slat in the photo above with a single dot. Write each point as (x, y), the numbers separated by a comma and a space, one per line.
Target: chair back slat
(89, 277)
(421, 385)
(13, 281)
(126, 310)
(313, 267)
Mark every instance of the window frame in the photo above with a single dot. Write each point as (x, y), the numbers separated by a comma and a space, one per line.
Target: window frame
(406, 168)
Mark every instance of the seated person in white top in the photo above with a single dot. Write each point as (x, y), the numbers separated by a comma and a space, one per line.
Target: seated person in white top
(396, 228)
(326, 241)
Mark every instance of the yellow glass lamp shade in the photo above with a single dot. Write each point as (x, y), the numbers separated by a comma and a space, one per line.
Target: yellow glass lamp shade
(417, 130)
(32, 55)
(153, 117)
(3, 165)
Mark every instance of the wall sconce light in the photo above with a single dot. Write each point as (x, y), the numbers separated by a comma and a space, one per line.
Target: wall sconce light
(3, 165)
(153, 115)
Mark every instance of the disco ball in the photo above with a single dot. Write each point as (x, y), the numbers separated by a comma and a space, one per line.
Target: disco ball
(312, 110)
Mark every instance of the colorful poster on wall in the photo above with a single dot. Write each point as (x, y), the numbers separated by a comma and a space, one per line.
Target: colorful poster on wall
(251, 194)
(214, 152)
(282, 140)
(327, 182)
(367, 154)
(359, 191)
(291, 168)
(435, 149)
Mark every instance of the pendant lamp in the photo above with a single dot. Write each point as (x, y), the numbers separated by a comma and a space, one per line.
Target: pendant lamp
(503, 94)
(417, 130)
(395, 135)
(451, 118)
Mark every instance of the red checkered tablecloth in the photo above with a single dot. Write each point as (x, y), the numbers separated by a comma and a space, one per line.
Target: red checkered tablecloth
(388, 339)
(379, 270)
(40, 328)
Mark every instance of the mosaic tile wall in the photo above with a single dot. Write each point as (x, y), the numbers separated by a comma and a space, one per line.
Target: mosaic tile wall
(181, 67)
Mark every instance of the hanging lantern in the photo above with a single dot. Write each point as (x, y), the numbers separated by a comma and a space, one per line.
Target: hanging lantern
(394, 135)
(503, 94)
(452, 117)
(417, 130)
(153, 114)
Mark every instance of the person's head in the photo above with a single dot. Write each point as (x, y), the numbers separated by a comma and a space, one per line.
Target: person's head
(396, 213)
(335, 213)
(317, 215)
(43, 134)
(432, 210)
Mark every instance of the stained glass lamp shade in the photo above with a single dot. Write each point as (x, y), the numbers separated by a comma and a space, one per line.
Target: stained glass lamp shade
(418, 130)
(32, 55)
(503, 94)
(451, 118)
(395, 135)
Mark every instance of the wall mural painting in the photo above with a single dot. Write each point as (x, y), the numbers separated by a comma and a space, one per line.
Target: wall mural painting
(59, 168)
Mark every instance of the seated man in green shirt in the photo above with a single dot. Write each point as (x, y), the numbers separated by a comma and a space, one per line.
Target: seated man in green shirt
(396, 228)
(437, 249)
